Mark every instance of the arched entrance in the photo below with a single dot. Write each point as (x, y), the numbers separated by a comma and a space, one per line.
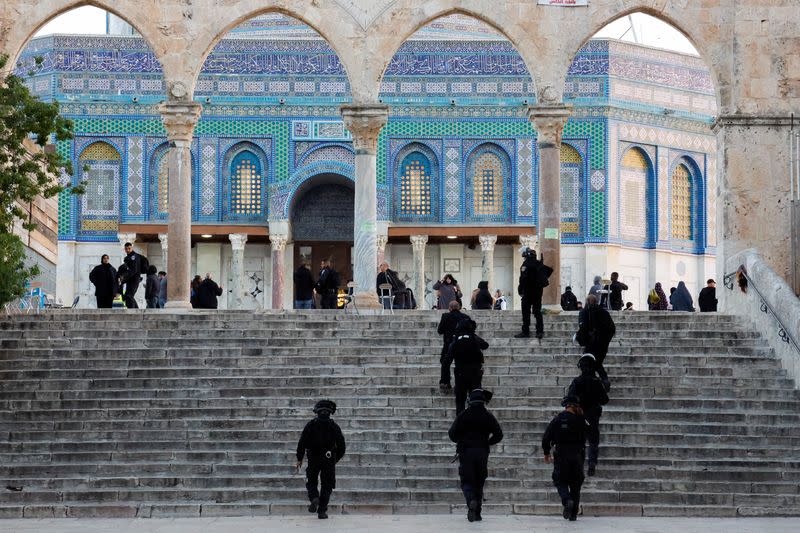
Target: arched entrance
(322, 223)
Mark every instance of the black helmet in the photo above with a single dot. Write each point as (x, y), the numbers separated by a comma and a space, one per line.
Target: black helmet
(480, 396)
(587, 361)
(325, 407)
(571, 399)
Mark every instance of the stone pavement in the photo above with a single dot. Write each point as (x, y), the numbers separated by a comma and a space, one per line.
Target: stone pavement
(402, 524)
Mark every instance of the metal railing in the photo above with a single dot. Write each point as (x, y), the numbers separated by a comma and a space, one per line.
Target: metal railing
(783, 332)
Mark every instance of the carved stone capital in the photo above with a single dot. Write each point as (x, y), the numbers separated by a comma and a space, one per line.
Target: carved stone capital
(549, 121)
(278, 241)
(365, 122)
(529, 241)
(418, 242)
(180, 119)
(382, 241)
(126, 237)
(163, 238)
(487, 242)
(238, 241)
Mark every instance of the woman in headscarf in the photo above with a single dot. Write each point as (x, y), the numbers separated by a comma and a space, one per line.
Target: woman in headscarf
(662, 304)
(681, 300)
(448, 291)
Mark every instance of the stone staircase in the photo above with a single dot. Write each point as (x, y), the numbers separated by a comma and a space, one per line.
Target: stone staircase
(146, 414)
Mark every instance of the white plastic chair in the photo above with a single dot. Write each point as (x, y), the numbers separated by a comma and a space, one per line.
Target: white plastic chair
(385, 295)
(350, 297)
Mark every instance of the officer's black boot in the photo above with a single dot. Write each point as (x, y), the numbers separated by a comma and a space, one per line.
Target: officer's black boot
(522, 335)
(474, 510)
(592, 470)
(569, 510)
(312, 507)
(322, 513)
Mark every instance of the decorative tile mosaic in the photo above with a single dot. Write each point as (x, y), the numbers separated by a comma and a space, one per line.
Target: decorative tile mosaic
(330, 153)
(452, 182)
(208, 177)
(525, 178)
(135, 178)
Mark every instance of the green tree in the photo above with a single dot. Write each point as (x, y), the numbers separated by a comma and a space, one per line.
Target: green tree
(26, 172)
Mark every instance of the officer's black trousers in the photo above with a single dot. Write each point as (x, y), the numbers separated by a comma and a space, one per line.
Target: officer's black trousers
(324, 471)
(532, 301)
(130, 294)
(568, 476)
(467, 380)
(599, 351)
(444, 376)
(105, 301)
(592, 435)
(329, 300)
(473, 471)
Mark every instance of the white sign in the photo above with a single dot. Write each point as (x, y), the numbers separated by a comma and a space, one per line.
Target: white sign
(564, 3)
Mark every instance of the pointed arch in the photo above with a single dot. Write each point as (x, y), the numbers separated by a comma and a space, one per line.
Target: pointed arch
(100, 169)
(245, 171)
(572, 178)
(416, 171)
(488, 183)
(636, 174)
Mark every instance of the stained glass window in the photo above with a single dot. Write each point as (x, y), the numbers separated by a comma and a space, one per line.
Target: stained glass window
(415, 185)
(634, 172)
(681, 203)
(571, 164)
(487, 184)
(246, 185)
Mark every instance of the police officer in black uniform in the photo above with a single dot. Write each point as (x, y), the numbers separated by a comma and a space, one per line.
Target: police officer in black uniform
(447, 329)
(137, 265)
(567, 431)
(467, 353)
(322, 439)
(327, 286)
(593, 396)
(533, 278)
(596, 328)
(473, 431)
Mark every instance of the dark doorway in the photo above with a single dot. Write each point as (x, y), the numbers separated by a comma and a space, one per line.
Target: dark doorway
(322, 224)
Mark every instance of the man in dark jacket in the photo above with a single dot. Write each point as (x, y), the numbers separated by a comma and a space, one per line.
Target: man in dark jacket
(136, 267)
(327, 286)
(615, 292)
(596, 328)
(533, 278)
(466, 352)
(567, 432)
(207, 293)
(473, 431)
(104, 279)
(323, 441)
(151, 287)
(447, 329)
(569, 302)
(303, 288)
(593, 397)
(708, 297)
(387, 275)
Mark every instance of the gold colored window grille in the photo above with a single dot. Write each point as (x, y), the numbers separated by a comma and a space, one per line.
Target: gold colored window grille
(246, 188)
(163, 185)
(100, 151)
(415, 189)
(681, 203)
(487, 184)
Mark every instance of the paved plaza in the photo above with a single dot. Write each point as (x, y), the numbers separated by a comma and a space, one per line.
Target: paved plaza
(404, 524)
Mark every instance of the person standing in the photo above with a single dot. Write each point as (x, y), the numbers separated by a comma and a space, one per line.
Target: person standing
(597, 286)
(567, 432)
(500, 303)
(533, 278)
(707, 301)
(615, 292)
(466, 352)
(151, 288)
(593, 397)
(448, 291)
(657, 300)
(327, 285)
(474, 430)
(681, 300)
(483, 298)
(303, 288)
(194, 288)
(207, 293)
(322, 441)
(388, 276)
(447, 329)
(137, 265)
(162, 290)
(569, 302)
(104, 279)
(596, 328)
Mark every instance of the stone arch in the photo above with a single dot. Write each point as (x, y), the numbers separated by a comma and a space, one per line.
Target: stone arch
(259, 163)
(317, 18)
(342, 188)
(494, 157)
(427, 165)
(302, 180)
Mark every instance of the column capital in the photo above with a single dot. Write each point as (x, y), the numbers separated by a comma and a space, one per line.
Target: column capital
(126, 237)
(180, 119)
(382, 241)
(487, 242)
(365, 122)
(418, 242)
(278, 241)
(549, 121)
(237, 241)
(530, 241)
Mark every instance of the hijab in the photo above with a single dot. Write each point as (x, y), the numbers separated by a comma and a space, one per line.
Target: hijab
(681, 299)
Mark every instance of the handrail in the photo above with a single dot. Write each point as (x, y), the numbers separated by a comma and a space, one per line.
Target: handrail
(783, 332)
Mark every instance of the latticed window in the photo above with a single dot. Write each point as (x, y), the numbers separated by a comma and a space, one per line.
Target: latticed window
(487, 184)
(102, 180)
(681, 203)
(571, 163)
(634, 172)
(246, 185)
(163, 184)
(415, 185)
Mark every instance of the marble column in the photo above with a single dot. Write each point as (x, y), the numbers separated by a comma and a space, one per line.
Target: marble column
(238, 288)
(278, 244)
(180, 119)
(364, 122)
(487, 259)
(549, 121)
(418, 243)
(382, 241)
